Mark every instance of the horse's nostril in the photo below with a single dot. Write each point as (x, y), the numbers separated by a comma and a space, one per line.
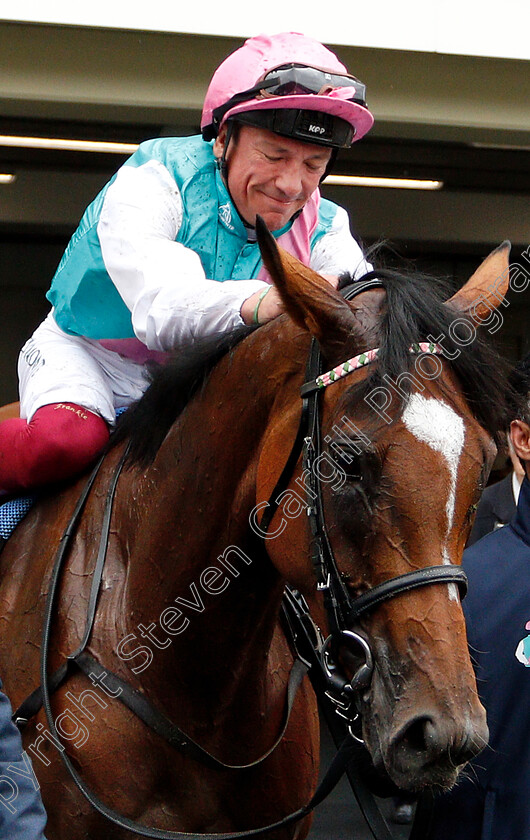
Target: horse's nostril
(468, 749)
(424, 741)
(420, 735)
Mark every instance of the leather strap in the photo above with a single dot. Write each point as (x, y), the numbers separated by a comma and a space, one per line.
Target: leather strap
(423, 817)
(405, 583)
(33, 703)
(301, 632)
(170, 732)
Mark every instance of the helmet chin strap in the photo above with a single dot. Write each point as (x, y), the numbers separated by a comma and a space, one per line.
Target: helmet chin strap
(222, 165)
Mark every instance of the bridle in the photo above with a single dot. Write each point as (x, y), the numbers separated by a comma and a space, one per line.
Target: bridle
(343, 610)
(316, 657)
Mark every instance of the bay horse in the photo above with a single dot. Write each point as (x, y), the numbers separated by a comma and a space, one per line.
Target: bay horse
(188, 610)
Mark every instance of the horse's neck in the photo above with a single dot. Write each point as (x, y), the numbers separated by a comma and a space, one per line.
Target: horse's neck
(194, 552)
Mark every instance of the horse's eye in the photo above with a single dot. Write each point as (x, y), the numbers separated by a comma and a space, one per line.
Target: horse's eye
(347, 461)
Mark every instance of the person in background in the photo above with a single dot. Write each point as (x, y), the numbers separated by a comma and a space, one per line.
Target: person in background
(166, 254)
(22, 815)
(498, 502)
(491, 801)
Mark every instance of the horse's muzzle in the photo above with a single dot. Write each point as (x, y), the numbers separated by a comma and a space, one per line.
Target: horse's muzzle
(429, 750)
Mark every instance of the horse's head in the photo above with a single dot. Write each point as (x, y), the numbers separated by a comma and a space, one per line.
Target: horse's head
(406, 445)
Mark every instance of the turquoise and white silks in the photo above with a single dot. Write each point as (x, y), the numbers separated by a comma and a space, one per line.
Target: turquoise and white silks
(161, 255)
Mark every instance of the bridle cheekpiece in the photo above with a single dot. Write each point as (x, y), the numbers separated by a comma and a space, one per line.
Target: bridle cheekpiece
(344, 610)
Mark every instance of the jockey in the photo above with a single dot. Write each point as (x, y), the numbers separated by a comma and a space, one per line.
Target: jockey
(167, 253)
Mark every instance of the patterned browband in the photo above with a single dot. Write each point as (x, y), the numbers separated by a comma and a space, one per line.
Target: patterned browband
(357, 362)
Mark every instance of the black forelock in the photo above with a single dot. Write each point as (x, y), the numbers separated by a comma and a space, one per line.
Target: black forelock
(415, 310)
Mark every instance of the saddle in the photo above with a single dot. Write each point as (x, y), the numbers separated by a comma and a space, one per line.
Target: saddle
(11, 513)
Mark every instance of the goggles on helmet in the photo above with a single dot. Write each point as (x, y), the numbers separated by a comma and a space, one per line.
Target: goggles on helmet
(298, 79)
(292, 80)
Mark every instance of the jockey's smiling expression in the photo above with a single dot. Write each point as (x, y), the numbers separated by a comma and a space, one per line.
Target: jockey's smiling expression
(270, 175)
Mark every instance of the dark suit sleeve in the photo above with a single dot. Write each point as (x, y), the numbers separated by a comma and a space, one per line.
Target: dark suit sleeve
(496, 507)
(459, 814)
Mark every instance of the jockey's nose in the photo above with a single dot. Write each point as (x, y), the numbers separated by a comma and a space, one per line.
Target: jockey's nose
(289, 180)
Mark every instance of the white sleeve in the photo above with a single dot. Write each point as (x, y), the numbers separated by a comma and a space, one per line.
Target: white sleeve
(337, 252)
(161, 281)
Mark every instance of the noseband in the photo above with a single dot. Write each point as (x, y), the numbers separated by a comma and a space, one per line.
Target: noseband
(342, 609)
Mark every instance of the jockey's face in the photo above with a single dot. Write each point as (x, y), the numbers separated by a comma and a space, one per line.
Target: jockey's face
(270, 175)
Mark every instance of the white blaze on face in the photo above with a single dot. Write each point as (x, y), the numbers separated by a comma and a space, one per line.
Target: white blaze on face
(436, 424)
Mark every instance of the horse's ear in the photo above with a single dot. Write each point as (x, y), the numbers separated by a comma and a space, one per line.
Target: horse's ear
(486, 289)
(309, 299)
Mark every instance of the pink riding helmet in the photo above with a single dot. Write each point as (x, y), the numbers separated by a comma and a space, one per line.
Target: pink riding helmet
(234, 91)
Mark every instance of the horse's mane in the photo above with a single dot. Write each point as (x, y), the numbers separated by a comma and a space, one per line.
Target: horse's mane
(147, 421)
(415, 309)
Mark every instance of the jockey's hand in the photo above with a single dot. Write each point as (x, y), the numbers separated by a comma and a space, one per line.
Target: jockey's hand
(269, 303)
(262, 306)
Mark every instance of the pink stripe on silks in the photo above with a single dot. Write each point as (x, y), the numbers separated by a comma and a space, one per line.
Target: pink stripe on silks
(134, 349)
(297, 240)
